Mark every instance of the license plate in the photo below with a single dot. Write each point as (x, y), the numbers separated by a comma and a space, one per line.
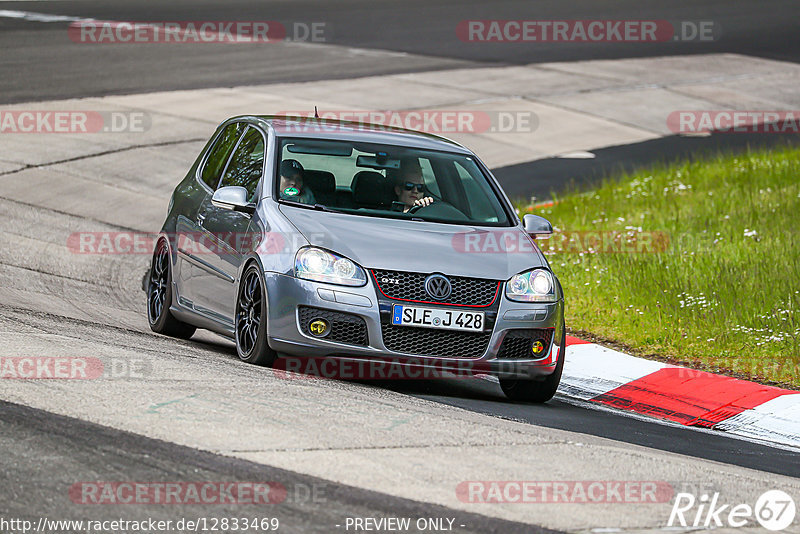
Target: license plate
(403, 315)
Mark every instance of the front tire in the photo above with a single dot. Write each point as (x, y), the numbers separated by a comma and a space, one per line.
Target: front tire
(251, 319)
(159, 297)
(537, 391)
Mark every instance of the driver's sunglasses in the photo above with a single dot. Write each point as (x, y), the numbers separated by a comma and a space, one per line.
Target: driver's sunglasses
(411, 185)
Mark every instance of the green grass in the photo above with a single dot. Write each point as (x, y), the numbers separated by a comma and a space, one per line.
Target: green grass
(723, 295)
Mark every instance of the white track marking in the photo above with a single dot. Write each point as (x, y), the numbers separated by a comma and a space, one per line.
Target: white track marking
(763, 439)
(31, 16)
(38, 17)
(581, 154)
(592, 370)
(775, 420)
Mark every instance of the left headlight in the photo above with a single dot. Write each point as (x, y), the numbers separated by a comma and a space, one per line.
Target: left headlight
(537, 285)
(314, 263)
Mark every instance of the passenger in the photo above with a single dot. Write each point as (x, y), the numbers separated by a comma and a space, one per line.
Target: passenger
(291, 186)
(409, 185)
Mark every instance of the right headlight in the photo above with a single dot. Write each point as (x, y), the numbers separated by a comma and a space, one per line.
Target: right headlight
(317, 264)
(538, 285)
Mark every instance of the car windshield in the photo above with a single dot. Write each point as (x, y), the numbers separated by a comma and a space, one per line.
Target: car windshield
(387, 181)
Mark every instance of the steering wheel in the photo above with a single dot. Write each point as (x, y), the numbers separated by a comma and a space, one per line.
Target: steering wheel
(441, 209)
(416, 207)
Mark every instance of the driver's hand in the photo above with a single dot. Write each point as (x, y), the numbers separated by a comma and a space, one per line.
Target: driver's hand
(422, 202)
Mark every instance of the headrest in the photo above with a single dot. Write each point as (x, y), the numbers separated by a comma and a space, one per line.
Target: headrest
(320, 181)
(372, 189)
(290, 167)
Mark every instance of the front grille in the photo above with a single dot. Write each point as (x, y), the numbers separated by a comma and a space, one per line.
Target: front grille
(517, 343)
(436, 343)
(345, 327)
(411, 286)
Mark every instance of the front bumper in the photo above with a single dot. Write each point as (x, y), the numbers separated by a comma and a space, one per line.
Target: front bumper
(287, 294)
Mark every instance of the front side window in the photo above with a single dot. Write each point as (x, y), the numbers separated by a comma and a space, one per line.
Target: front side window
(220, 152)
(388, 181)
(247, 164)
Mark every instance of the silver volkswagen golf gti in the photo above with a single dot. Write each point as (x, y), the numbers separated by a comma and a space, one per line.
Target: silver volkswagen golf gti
(308, 238)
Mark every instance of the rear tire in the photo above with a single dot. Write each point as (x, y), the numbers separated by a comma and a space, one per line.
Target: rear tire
(159, 297)
(250, 326)
(537, 390)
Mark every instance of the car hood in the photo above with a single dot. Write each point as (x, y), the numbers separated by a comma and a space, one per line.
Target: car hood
(418, 246)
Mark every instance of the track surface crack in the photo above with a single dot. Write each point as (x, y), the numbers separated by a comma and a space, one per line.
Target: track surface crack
(103, 153)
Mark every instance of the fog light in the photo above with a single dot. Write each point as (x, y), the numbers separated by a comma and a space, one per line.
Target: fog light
(319, 327)
(537, 347)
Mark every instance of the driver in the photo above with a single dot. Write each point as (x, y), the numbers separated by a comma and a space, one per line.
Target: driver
(408, 184)
(291, 186)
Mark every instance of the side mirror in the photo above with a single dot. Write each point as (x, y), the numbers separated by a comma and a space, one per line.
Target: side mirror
(535, 225)
(233, 197)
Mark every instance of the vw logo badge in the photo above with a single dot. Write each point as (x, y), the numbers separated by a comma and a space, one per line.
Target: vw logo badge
(438, 287)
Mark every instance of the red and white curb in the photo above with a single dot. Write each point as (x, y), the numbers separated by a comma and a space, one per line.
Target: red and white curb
(685, 396)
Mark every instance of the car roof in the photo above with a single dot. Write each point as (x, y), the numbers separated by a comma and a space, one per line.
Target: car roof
(313, 128)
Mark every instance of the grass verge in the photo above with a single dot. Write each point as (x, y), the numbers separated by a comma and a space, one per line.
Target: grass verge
(696, 263)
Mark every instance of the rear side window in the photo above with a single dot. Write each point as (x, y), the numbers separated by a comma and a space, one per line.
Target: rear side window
(219, 153)
(247, 163)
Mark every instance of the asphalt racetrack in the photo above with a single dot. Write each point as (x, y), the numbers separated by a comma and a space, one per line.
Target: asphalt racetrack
(39, 64)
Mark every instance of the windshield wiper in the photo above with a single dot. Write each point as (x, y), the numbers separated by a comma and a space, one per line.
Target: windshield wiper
(322, 207)
(318, 207)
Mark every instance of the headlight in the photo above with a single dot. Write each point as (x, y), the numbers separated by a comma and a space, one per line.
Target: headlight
(537, 285)
(317, 264)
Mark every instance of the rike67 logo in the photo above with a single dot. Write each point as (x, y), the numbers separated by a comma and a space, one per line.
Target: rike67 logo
(774, 510)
